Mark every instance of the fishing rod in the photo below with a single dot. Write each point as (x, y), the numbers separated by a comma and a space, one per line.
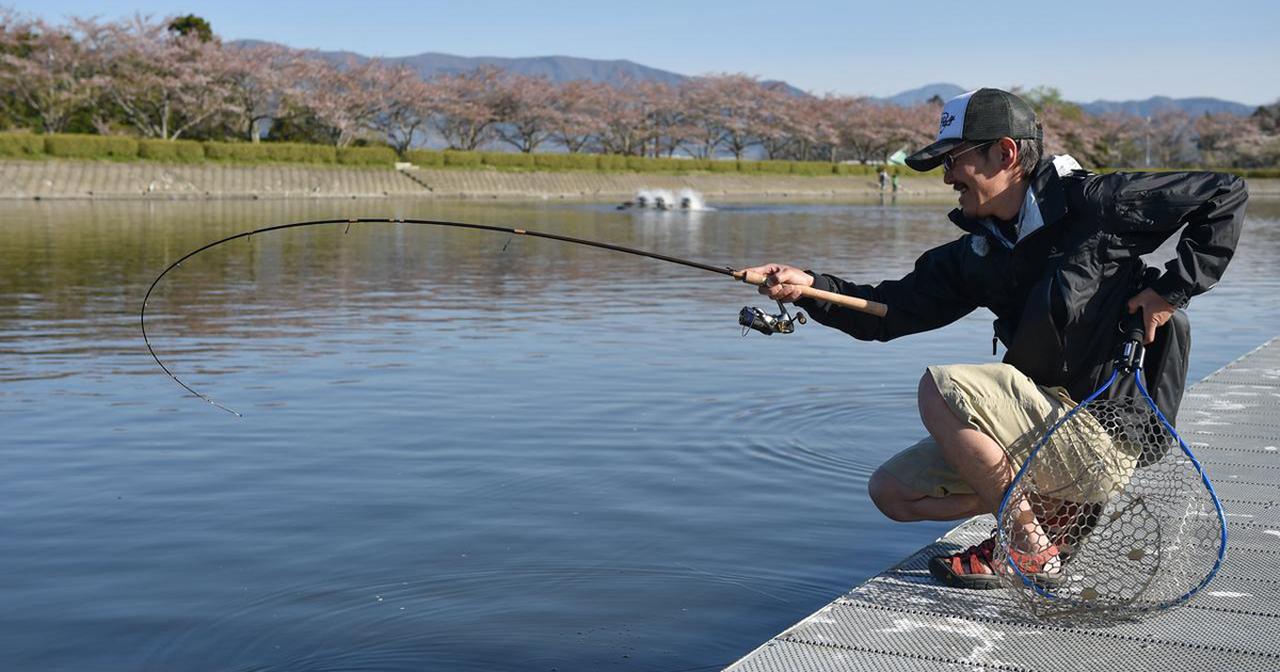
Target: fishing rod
(750, 318)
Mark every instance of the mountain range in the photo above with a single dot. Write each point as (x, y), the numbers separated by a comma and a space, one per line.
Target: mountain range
(567, 68)
(1137, 108)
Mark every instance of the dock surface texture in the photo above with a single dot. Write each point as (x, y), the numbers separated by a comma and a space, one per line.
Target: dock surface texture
(903, 620)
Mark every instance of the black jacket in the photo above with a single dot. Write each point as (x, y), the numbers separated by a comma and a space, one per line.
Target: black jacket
(1060, 293)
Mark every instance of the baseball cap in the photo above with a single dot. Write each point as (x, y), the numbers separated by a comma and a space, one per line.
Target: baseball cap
(979, 115)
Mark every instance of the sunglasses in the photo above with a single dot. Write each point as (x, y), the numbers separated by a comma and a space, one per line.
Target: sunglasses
(949, 160)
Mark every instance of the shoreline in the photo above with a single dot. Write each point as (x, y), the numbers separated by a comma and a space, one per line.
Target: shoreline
(139, 180)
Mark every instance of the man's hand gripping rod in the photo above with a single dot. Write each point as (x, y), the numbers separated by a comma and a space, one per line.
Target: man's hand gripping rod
(783, 322)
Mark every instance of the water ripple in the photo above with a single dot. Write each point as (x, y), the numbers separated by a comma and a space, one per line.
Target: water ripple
(360, 621)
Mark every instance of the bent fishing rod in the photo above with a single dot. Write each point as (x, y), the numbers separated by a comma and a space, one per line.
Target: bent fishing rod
(750, 318)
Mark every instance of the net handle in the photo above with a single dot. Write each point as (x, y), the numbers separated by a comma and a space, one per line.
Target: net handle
(1134, 327)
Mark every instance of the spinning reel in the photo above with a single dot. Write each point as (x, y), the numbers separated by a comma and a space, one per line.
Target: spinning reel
(782, 323)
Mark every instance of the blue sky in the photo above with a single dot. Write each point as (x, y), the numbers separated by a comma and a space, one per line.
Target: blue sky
(1090, 50)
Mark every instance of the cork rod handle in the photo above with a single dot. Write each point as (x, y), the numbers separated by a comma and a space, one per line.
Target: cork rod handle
(872, 307)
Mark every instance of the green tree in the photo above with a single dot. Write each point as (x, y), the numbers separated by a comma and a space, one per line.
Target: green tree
(301, 125)
(189, 24)
(1045, 98)
(1268, 117)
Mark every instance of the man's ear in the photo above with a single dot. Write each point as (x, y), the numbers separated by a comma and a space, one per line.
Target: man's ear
(1008, 153)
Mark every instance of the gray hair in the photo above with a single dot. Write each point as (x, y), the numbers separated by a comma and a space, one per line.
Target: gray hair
(1029, 152)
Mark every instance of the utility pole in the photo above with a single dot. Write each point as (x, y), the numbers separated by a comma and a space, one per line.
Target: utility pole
(1148, 141)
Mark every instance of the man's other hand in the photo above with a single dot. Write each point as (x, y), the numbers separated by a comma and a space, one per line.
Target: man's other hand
(782, 283)
(1155, 311)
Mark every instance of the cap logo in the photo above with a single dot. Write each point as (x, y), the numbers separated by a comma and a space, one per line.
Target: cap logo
(946, 120)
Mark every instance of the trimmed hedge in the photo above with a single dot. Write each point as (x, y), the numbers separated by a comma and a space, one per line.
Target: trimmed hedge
(1255, 172)
(85, 146)
(813, 168)
(295, 152)
(566, 161)
(21, 144)
(76, 146)
(611, 162)
(642, 164)
(648, 164)
(171, 150)
(507, 160)
(367, 156)
(774, 167)
(235, 151)
(286, 152)
(424, 157)
(460, 159)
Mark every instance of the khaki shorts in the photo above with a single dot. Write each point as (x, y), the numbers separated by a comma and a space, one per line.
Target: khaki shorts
(1079, 462)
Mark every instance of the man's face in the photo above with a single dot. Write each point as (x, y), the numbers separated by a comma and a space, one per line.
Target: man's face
(976, 174)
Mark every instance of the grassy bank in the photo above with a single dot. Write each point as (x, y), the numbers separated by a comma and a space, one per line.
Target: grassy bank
(119, 148)
(22, 145)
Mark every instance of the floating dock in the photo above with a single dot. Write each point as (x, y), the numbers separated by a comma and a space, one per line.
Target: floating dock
(903, 620)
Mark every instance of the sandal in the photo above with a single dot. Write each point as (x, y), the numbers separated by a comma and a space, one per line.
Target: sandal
(972, 568)
(1070, 525)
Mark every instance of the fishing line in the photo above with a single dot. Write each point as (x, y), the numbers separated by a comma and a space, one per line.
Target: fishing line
(778, 325)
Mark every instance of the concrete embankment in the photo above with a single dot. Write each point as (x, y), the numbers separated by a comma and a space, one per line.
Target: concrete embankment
(617, 186)
(144, 180)
(103, 179)
(147, 180)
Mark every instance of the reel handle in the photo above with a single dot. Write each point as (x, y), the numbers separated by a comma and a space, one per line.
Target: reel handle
(862, 305)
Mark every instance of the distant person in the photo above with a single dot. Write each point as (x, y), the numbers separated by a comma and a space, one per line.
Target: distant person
(884, 177)
(1054, 251)
(895, 180)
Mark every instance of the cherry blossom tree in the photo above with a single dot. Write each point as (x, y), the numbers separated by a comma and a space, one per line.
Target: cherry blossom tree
(525, 111)
(405, 109)
(258, 78)
(1170, 136)
(783, 127)
(162, 83)
(860, 127)
(818, 127)
(623, 119)
(663, 121)
(723, 112)
(576, 121)
(347, 97)
(47, 69)
(908, 128)
(464, 107)
(1114, 140)
(1226, 140)
(701, 99)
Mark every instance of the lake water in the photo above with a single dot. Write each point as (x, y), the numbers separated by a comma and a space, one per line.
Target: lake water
(458, 451)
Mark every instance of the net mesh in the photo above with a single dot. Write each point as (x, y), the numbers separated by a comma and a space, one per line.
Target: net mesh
(1109, 520)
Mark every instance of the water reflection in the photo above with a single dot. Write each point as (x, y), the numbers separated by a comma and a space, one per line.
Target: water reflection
(458, 449)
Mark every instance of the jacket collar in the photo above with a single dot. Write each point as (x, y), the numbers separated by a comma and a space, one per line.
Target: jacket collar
(1049, 195)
